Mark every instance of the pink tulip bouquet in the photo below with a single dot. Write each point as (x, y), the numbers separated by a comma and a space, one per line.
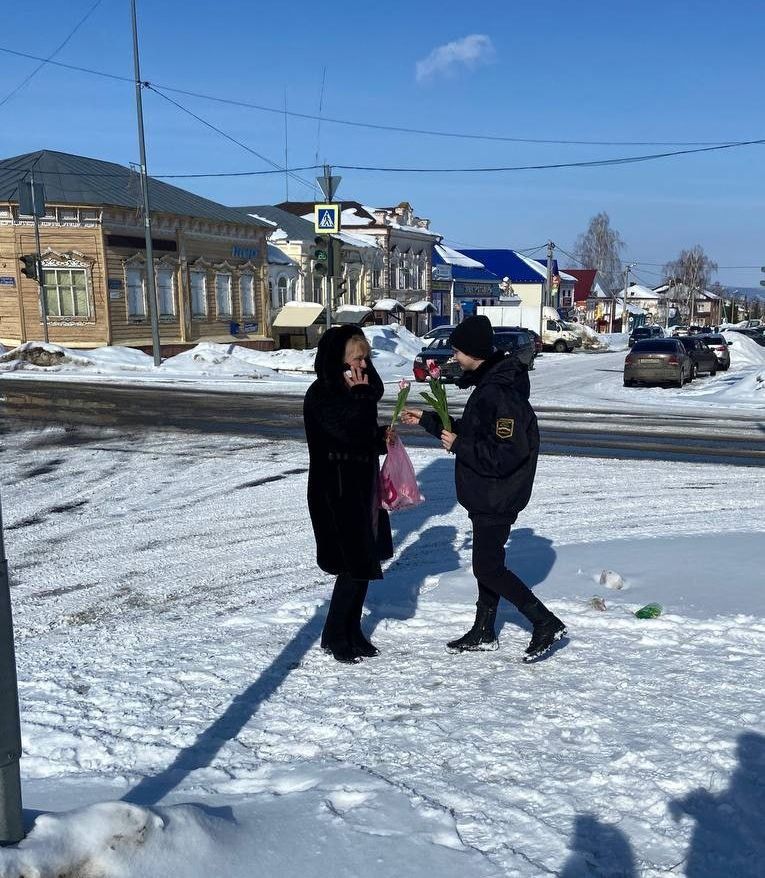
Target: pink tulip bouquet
(437, 395)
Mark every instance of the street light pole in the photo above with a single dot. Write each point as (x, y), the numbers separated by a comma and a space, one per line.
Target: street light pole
(150, 285)
(625, 318)
(11, 822)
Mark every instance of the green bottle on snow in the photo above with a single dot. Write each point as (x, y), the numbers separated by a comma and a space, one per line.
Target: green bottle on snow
(649, 611)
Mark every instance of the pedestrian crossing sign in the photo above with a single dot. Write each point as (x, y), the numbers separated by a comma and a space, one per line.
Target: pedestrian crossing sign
(326, 218)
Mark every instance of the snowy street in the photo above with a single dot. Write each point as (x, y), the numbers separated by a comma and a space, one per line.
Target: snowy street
(168, 607)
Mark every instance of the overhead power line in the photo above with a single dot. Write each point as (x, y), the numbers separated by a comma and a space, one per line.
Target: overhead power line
(220, 131)
(49, 59)
(400, 129)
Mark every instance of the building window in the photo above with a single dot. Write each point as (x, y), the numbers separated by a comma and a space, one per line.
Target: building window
(68, 215)
(199, 293)
(165, 280)
(404, 277)
(223, 295)
(353, 289)
(136, 297)
(376, 278)
(66, 292)
(247, 294)
(282, 291)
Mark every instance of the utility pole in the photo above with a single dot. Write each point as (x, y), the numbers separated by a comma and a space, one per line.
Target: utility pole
(150, 285)
(625, 313)
(548, 283)
(38, 209)
(329, 185)
(11, 823)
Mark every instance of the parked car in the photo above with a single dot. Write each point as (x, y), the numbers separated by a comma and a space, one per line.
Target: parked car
(719, 347)
(704, 359)
(649, 330)
(440, 351)
(535, 337)
(439, 332)
(658, 361)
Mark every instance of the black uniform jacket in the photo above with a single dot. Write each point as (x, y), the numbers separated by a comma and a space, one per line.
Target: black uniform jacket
(497, 442)
(344, 443)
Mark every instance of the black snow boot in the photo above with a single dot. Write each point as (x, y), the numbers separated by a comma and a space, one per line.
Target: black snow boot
(356, 637)
(547, 629)
(481, 636)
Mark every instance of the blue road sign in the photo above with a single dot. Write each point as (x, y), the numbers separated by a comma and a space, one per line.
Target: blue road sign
(326, 218)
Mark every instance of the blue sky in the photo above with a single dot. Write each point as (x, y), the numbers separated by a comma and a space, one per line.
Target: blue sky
(655, 71)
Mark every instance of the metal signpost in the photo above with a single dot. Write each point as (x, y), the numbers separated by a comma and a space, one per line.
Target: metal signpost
(11, 823)
(326, 221)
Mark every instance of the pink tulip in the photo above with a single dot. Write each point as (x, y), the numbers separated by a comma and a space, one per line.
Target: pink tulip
(403, 384)
(433, 369)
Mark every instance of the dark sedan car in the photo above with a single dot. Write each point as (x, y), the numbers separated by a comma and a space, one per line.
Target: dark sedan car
(704, 359)
(658, 361)
(518, 342)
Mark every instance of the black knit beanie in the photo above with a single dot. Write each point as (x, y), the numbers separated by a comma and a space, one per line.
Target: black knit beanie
(474, 337)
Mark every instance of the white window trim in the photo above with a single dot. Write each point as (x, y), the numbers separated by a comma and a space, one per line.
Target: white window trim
(252, 311)
(221, 313)
(173, 289)
(71, 265)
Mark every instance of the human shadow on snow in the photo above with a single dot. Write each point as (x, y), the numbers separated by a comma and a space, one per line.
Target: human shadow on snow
(599, 850)
(436, 483)
(202, 752)
(433, 552)
(728, 838)
(530, 556)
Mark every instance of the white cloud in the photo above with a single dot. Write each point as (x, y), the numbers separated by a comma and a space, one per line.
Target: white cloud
(470, 51)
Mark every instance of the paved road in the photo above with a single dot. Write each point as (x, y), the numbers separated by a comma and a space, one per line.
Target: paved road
(602, 432)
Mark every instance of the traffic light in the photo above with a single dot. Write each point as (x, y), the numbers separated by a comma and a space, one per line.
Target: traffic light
(762, 282)
(341, 288)
(30, 267)
(322, 244)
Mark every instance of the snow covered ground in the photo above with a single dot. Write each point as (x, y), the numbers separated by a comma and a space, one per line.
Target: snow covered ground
(579, 380)
(168, 609)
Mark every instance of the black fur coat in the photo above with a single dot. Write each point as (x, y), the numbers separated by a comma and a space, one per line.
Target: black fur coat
(344, 443)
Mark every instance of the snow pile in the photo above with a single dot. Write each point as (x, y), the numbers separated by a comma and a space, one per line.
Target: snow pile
(224, 360)
(614, 341)
(590, 339)
(38, 355)
(744, 351)
(393, 349)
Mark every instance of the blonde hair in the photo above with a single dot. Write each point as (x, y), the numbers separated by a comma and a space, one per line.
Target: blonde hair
(358, 342)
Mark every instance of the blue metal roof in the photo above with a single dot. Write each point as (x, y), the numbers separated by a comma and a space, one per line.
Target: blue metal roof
(505, 263)
(463, 273)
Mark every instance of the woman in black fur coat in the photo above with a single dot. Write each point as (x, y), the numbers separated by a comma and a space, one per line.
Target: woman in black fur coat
(344, 444)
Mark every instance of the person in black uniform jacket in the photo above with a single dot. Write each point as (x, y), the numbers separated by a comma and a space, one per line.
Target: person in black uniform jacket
(344, 443)
(496, 444)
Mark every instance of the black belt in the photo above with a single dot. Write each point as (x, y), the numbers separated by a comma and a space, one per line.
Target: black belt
(350, 456)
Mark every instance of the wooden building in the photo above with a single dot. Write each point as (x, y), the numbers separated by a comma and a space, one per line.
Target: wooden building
(210, 261)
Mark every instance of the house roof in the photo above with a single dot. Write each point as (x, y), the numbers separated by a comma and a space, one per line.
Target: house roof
(508, 263)
(585, 280)
(559, 271)
(353, 213)
(638, 291)
(75, 179)
(294, 227)
(443, 255)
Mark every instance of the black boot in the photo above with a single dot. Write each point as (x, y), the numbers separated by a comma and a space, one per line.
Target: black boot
(547, 629)
(355, 635)
(334, 637)
(481, 636)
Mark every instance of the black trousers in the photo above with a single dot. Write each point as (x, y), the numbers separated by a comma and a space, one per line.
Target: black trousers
(494, 579)
(345, 608)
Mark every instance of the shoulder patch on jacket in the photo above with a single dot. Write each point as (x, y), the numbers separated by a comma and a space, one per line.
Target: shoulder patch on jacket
(505, 428)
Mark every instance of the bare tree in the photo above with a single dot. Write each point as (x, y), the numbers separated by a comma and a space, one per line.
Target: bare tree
(690, 275)
(692, 268)
(601, 247)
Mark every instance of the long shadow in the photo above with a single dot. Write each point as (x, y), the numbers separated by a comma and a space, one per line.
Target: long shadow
(599, 850)
(200, 754)
(397, 596)
(729, 838)
(531, 557)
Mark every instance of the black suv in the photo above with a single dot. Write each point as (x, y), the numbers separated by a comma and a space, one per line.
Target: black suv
(641, 333)
(519, 342)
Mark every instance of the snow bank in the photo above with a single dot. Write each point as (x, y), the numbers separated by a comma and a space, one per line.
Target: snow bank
(744, 351)
(614, 341)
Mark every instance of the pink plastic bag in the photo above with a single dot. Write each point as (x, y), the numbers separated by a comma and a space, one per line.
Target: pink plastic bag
(398, 483)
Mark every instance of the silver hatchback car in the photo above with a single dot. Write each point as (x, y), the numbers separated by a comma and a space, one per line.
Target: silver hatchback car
(658, 361)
